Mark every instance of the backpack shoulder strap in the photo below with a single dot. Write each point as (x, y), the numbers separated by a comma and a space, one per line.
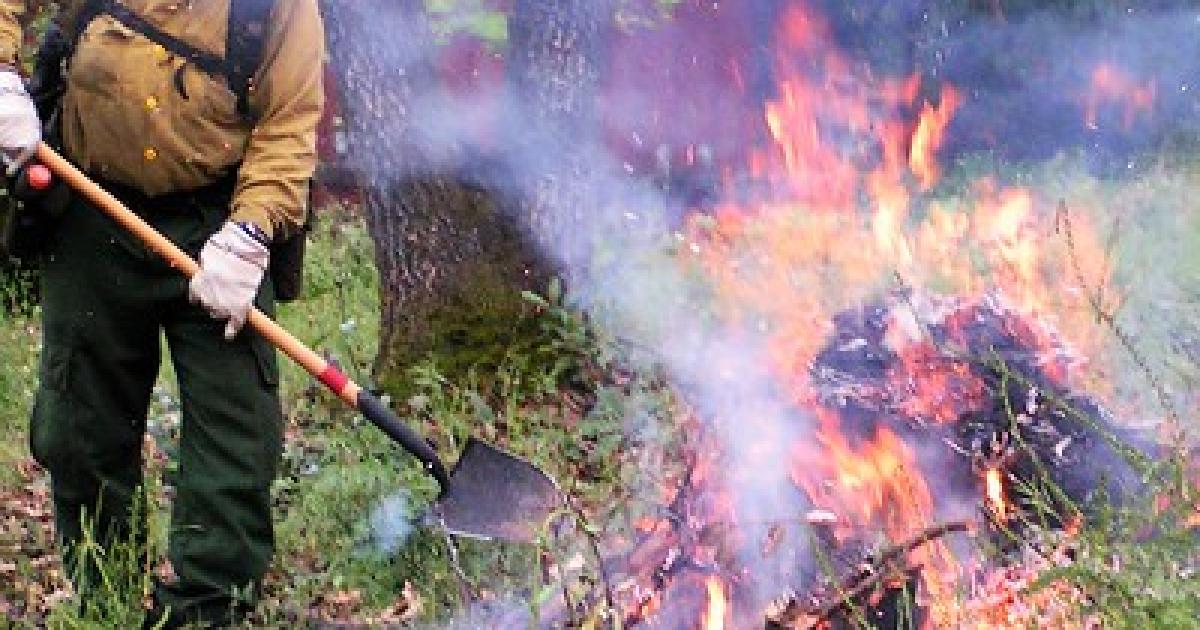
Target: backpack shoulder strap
(74, 25)
(202, 59)
(245, 38)
(246, 35)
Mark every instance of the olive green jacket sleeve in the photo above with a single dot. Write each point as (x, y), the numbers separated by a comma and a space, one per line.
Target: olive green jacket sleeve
(280, 157)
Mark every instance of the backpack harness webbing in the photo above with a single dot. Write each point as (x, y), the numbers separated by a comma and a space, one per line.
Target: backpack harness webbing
(246, 34)
(244, 40)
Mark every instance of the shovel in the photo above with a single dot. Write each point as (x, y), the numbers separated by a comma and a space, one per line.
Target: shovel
(490, 494)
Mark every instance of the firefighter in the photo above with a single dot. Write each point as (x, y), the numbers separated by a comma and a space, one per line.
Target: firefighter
(223, 174)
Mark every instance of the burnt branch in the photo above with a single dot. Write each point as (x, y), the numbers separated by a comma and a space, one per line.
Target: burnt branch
(872, 574)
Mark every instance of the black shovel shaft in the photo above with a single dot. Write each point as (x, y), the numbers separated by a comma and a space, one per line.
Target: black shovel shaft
(381, 416)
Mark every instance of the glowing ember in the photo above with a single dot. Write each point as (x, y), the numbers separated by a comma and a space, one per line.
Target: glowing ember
(718, 605)
(994, 490)
(939, 390)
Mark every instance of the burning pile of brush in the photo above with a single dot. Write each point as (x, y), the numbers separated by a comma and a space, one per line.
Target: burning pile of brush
(984, 381)
(911, 392)
(873, 451)
(896, 428)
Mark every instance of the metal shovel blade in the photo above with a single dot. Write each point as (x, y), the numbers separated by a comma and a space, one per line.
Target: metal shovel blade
(496, 495)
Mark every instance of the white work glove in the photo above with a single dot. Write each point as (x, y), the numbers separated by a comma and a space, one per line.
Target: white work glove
(20, 129)
(232, 264)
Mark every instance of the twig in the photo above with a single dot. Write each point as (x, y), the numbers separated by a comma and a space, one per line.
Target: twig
(862, 583)
(464, 585)
(594, 545)
(856, 586)
(1094, 298)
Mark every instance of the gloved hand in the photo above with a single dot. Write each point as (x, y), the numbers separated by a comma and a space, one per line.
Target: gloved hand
(20, 129)
(232, 264)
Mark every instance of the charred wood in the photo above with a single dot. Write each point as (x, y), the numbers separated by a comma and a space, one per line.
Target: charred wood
(870, 590)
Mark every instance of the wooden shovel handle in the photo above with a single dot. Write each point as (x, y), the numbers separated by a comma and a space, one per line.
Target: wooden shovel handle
(324, 371)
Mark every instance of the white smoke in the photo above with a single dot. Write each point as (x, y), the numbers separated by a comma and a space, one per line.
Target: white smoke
(391, 522)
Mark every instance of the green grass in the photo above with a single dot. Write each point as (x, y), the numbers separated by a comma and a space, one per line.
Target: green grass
(20, 337)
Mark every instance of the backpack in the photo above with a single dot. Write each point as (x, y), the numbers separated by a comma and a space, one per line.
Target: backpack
(246, 35)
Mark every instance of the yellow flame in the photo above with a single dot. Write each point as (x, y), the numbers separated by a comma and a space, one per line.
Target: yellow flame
(995, 493)
(718, 606)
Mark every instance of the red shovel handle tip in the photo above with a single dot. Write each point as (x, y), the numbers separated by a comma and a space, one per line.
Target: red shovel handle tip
(38, 176)
(333, 378)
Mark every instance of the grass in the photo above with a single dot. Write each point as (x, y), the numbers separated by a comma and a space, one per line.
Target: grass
(569, 402)
(19, 340)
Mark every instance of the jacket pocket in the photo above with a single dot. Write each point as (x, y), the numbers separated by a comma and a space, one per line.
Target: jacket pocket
(207, 110)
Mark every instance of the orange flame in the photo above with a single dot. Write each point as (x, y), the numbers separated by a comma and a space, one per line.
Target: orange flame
(873, 483)
(928, 137)
(1112, 88)
(718, 605)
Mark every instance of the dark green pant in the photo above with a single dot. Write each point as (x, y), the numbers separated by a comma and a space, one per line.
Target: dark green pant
(106, 301)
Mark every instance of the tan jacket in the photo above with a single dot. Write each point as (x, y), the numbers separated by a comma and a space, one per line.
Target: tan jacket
(126, 119)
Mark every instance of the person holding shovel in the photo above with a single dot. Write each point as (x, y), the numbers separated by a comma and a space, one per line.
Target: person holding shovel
(162, 105)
